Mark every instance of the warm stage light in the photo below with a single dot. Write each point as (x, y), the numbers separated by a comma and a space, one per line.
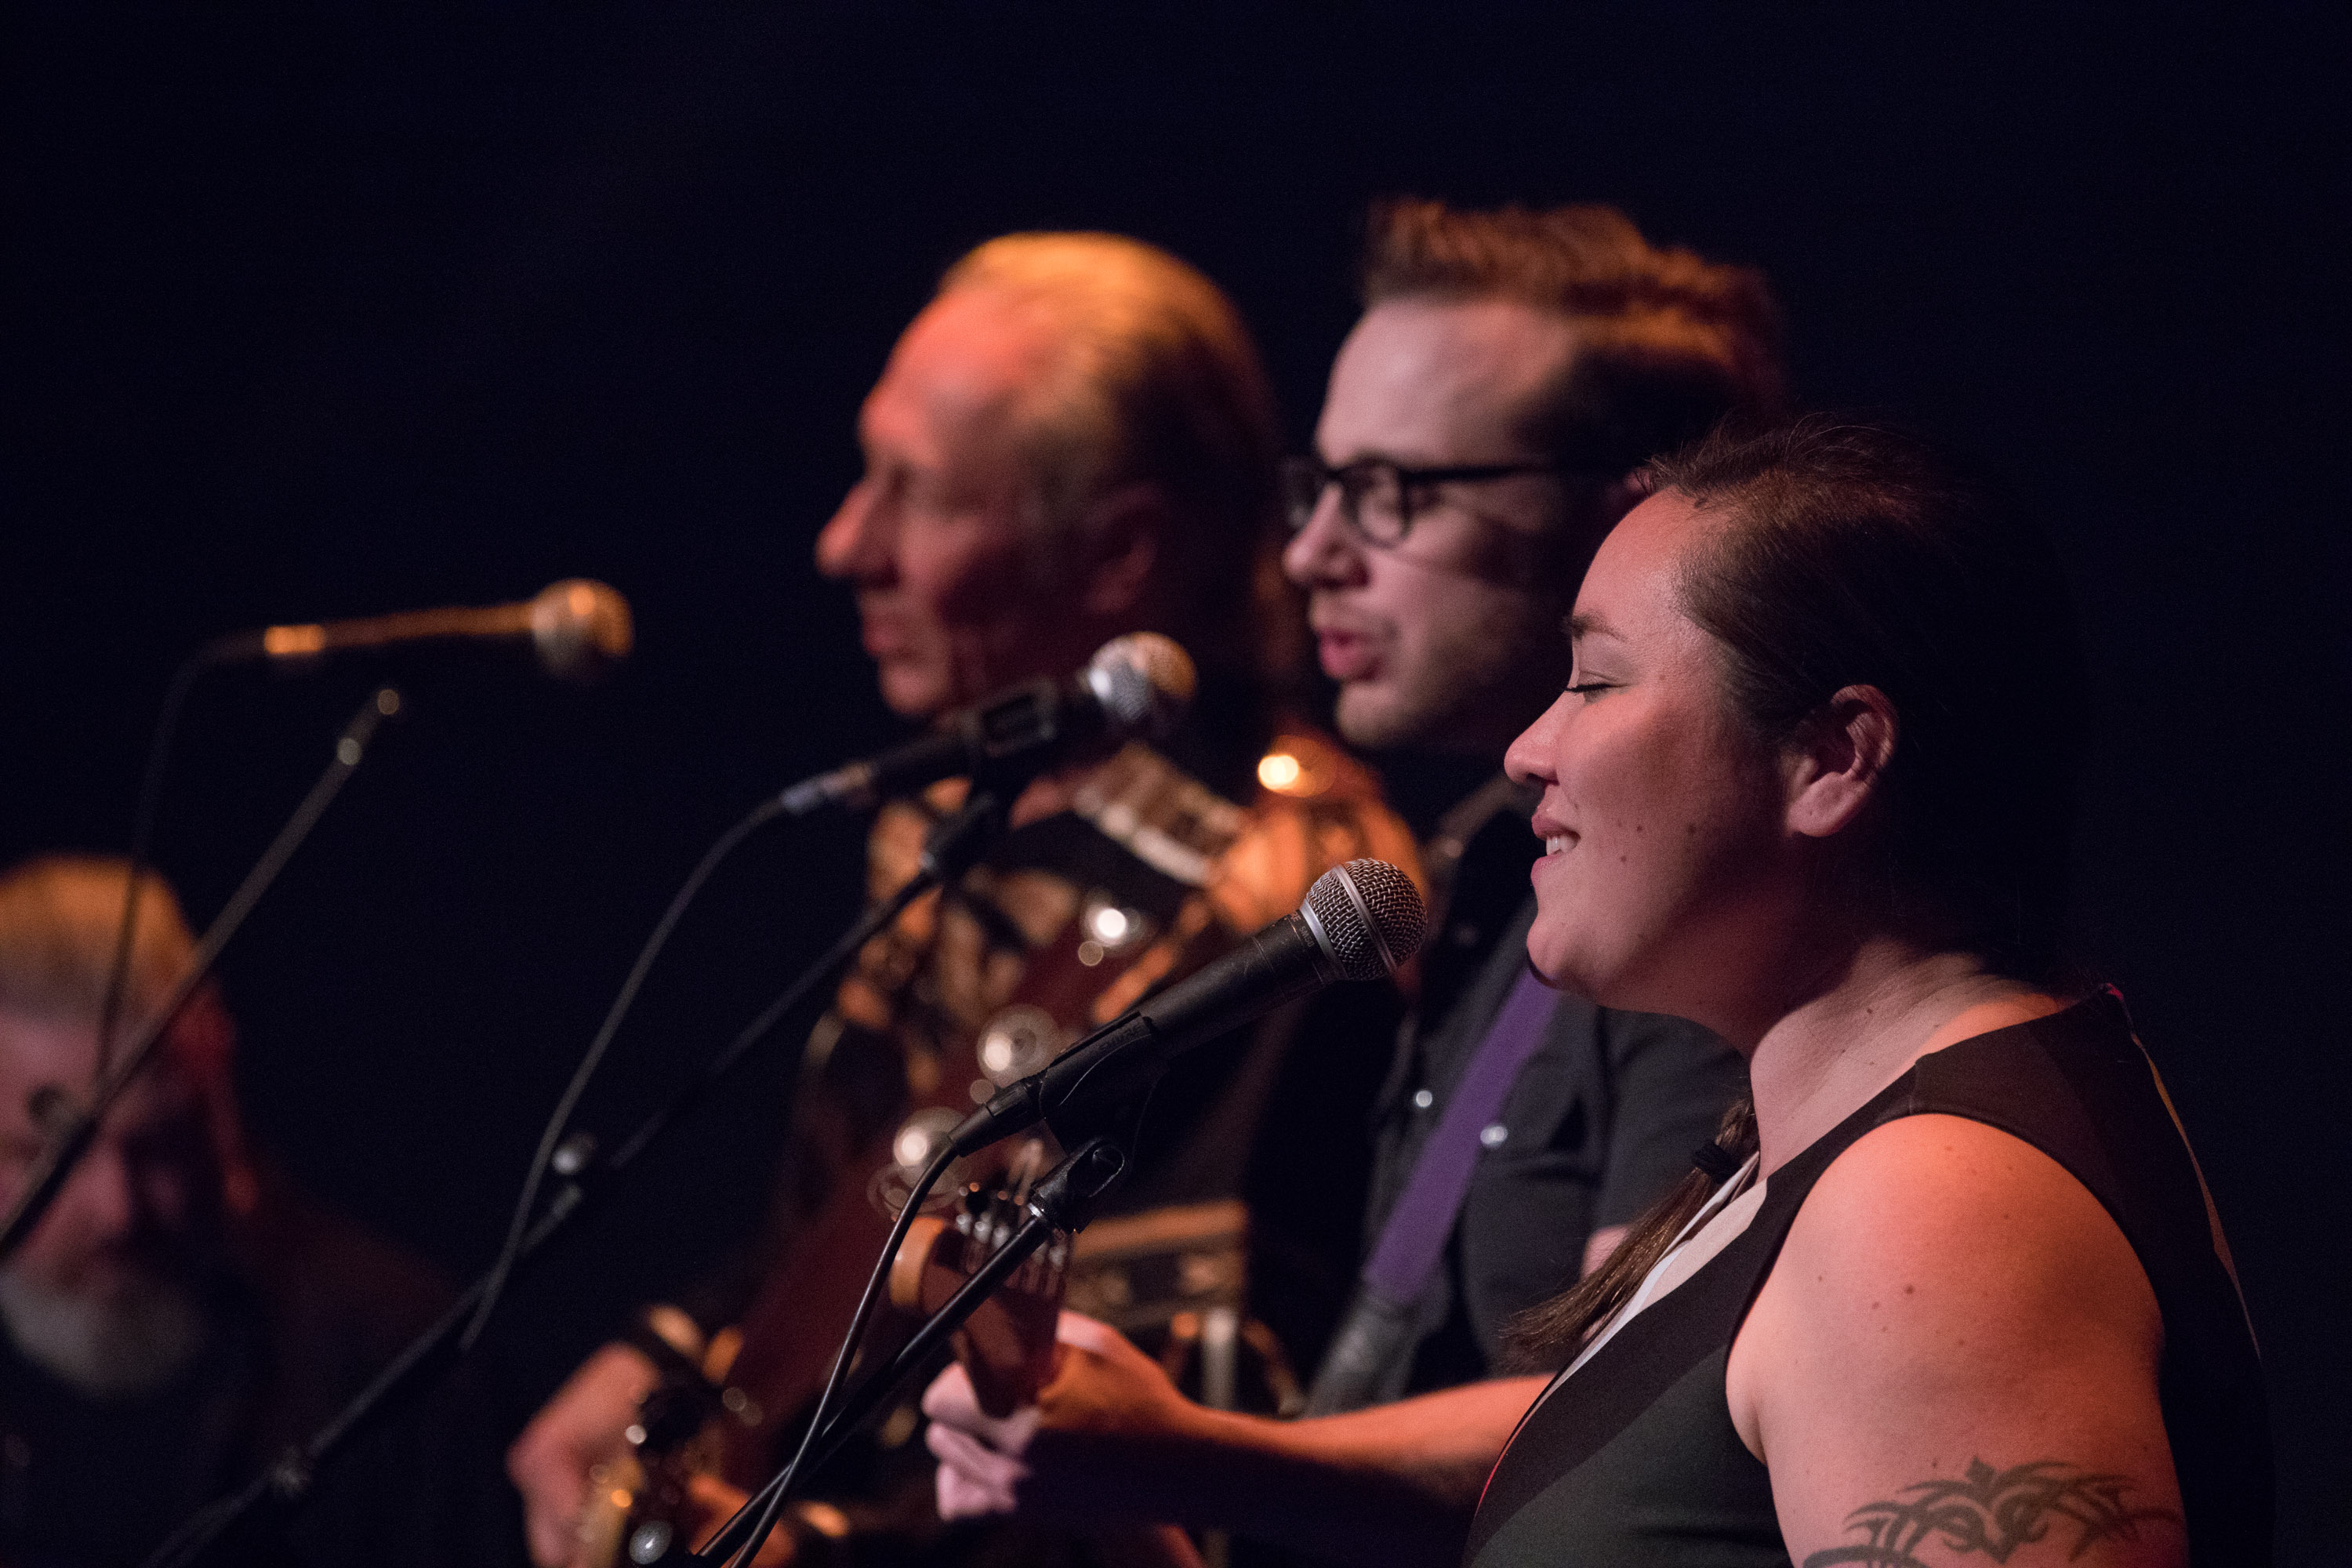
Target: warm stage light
(1278, 771)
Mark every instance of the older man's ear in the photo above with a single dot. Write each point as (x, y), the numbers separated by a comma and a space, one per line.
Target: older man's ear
(1122, 545)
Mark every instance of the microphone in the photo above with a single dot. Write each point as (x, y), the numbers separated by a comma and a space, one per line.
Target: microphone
(578, 627)
(1135, 687)
(1359, 922)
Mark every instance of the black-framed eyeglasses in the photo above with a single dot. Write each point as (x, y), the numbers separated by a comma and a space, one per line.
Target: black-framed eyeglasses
(1376, 495)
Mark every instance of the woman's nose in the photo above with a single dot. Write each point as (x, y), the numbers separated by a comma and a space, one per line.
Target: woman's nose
(1529, 758)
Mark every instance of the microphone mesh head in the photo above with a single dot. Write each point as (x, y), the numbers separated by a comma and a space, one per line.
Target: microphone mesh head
(1144, 682)
(580, 627)
(1370, 916)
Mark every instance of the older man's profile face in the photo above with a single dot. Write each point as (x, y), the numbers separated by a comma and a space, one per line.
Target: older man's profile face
(103, 1290)
(953, 598)
(1450, 640)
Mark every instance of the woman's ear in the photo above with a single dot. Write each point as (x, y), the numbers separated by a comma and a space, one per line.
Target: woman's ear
(1837, 761)
(1120, 538)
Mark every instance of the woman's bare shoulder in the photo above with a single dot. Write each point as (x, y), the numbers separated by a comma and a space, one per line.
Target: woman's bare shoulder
(1952, 1306)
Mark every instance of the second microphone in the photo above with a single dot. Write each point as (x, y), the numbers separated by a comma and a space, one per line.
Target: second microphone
(1136, 688)
(1359, 922)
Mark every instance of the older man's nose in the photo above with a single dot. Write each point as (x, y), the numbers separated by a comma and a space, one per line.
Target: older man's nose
(103, 1192)
(853, 543)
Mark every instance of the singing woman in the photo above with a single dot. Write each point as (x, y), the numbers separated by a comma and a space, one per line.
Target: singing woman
(1949, 1290)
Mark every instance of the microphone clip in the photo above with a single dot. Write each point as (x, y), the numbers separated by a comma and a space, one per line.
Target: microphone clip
(1073, 1095)
(957, 841)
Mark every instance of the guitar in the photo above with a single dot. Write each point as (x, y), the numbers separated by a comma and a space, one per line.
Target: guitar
(1147, 874)
(664, 1492)
(1007, 1346)
(642, 1506)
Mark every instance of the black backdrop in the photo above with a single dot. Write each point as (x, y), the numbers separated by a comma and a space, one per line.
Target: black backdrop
(324, 311)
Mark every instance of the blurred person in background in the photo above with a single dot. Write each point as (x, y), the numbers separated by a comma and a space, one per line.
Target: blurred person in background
(182, 1315)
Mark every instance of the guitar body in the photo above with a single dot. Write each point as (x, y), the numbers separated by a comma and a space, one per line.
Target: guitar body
(1007, 1346)
(1140, 877)
(641, 1506)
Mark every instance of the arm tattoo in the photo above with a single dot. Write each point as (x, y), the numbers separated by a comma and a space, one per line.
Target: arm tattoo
(1991, 1512)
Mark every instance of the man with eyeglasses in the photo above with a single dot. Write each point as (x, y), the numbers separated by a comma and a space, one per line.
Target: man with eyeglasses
(1482, 429)
(1482, 426)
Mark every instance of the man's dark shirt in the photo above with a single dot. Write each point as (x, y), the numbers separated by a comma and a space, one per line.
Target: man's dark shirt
(309, 1311)
(1601, 1119)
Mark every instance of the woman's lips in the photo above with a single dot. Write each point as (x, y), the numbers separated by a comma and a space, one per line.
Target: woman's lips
(1557, 843)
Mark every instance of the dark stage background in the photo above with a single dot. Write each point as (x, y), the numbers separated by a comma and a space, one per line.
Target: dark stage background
(325, 311)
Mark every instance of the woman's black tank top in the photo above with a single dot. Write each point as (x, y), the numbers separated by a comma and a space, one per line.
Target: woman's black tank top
(1635, 1459)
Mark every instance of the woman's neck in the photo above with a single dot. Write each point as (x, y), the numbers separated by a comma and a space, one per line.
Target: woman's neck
(1881, 1007)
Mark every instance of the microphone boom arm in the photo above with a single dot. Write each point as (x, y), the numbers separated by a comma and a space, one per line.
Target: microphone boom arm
(404, 626)
(1358, 920)
(1096, 1078)
(954, 844)
(49, 1176)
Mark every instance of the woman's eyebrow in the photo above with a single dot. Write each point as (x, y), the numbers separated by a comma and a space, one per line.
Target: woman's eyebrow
(1586, 624)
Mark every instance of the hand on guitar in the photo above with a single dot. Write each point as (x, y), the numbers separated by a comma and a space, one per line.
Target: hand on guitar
(581, 1428)
(1111, 1440)
(1093, 1450)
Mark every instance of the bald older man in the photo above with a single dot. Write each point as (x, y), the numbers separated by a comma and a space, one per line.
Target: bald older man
(1074, 440)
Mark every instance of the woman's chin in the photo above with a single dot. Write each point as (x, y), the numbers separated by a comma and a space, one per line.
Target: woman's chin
(1559, 968)
(1603, 979)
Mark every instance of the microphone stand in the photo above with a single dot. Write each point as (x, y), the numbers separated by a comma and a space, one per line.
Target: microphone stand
(71, 1142)
(1064, 1200)
(270, 1499)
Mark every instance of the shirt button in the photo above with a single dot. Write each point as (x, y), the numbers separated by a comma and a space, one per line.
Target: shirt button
(1492, 1135)
(1423, 1099)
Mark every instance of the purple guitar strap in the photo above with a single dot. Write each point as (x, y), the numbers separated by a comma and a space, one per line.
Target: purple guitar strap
(1406, 1256)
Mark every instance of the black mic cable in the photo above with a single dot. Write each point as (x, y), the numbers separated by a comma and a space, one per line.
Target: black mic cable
(552, 1136)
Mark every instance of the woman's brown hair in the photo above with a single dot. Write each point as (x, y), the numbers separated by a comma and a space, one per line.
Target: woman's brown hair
(1857, 556)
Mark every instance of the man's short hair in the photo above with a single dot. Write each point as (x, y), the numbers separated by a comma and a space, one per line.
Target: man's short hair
(60, 918)
(1668, 343)
(1153, 380)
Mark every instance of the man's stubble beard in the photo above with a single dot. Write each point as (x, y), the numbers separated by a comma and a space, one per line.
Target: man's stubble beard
(105, 1349)
(1374, 720)
(1471, 696)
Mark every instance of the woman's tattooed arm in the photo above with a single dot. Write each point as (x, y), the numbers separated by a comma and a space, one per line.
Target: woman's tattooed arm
(1949, 1290)
(1993, 1513)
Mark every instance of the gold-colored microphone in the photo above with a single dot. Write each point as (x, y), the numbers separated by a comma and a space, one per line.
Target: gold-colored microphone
(578, 627)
